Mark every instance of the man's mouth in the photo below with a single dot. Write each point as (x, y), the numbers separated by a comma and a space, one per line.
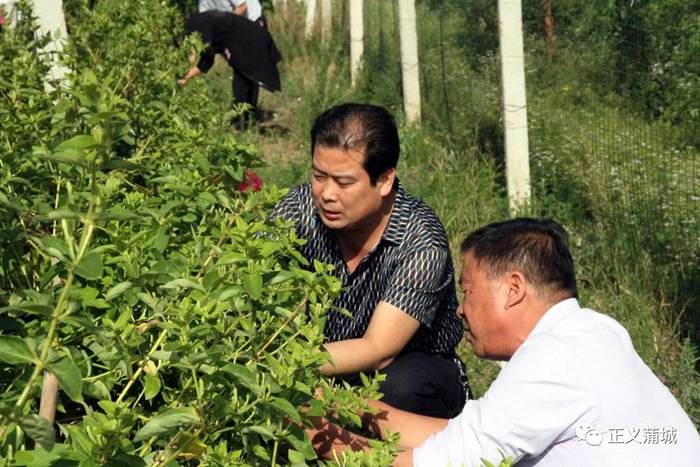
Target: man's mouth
(330, 215)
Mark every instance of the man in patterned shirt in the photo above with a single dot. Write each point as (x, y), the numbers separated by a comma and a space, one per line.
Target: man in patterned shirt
(392, 254)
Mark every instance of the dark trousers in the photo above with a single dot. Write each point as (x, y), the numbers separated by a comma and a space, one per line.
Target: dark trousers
(432, 385)
(245, 91)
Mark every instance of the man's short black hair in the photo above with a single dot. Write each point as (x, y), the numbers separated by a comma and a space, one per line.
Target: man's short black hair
(369, 129)
(537, 248)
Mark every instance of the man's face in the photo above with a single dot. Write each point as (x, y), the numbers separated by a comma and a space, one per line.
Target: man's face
(343, 195)
(482, 309)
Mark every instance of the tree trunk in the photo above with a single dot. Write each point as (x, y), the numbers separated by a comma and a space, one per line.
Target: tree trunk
(357, 29)
(514, 102)
(549, 28)
(409, 60)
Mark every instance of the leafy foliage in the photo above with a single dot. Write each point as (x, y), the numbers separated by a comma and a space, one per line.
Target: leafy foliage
(181, 324)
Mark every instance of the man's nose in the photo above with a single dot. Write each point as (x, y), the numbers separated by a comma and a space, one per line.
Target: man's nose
(460, 310)
(329, 193)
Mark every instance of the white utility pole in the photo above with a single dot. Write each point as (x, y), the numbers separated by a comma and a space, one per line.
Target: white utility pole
(514, 102)
(52, 21)
(357, 32)
(326, 19)
(409, 60)
(310, 17)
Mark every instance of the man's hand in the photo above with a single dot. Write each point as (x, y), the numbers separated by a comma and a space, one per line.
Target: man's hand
(389, 330)
(191, 73)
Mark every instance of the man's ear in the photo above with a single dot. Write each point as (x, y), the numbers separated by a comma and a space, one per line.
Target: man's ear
(517, 287)
(386, 181)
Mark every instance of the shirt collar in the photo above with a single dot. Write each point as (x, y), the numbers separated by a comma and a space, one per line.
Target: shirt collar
(396, 228)
(555, 315)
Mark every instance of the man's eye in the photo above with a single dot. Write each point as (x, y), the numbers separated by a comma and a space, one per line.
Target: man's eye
(344, 184)
(318, 177)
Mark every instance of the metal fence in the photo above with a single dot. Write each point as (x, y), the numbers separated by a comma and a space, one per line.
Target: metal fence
(614, 124)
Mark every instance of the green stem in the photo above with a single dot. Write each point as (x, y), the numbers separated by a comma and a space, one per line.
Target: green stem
(281, 328)
(161, 461)
(142, 365)
(274, 453)
(41, 363)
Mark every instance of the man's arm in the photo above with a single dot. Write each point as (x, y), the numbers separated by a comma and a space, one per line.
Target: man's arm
(414, 428)
(194, 71)
(330, 441)
(389, 330)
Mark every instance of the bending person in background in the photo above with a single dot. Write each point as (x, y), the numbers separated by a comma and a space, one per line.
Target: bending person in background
(249, 50)
(575, 392)
(392, 254)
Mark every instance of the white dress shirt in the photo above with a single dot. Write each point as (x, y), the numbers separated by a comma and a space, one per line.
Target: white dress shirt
(575, 394)
(253, 11)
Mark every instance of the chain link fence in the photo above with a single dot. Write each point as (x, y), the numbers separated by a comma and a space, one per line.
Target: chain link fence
(614, 124)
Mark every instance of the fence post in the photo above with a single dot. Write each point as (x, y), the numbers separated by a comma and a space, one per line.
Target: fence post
(409, 60)
(51, 19)
(310, 17)
(357, 31)
(326, 19)
(514, 102)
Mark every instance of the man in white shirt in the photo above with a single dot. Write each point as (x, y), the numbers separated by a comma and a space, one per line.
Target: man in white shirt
(575, 393)
(249, 9)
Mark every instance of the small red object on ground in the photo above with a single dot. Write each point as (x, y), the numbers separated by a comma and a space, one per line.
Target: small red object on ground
(250, 180)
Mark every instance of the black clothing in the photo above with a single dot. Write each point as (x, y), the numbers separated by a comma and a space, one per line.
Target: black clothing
(248, 48)
(411, 269)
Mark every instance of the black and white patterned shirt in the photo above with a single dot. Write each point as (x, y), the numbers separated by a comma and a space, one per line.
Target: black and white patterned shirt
(410, 268)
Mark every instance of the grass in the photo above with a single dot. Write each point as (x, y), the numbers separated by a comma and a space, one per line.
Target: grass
(455, 164)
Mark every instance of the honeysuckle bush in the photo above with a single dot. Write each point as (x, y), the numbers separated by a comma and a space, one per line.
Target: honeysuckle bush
(181, 323)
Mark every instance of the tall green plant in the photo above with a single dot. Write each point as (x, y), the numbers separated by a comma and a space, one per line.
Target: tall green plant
(181, 323)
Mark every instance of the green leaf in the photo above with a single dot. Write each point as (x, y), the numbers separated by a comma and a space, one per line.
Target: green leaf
(118, 290)
(14, 350)
(78, 142)
(69, 378)
(261, 430)
(63, 212)
(286, 407)
(301, 443)
(39, 429)
(207, 197)
(164, 179)
(253, 284)
(244, 376)
(122, 164)
(152, 386)
(167, 423)
(30, 307)
(79, 437)
(148, 300)
(184, 283)
(67, 157)
(90, 267)
(270, 247)
(296, 457)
